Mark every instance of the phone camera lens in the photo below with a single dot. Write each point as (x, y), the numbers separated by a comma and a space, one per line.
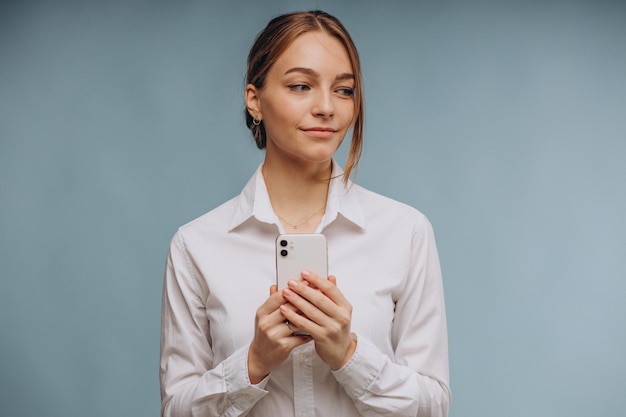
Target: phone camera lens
(283, 243)
(284, 252)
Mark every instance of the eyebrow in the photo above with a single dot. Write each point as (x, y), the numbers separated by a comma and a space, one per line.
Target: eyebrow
(309, 71)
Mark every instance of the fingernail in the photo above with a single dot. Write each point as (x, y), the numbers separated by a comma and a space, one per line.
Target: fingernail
(292, 283)
(306, 274)
(287, 292)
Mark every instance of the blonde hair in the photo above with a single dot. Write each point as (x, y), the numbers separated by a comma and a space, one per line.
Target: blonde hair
(279, 33)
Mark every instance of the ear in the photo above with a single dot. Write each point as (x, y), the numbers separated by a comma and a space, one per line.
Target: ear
(253, 102)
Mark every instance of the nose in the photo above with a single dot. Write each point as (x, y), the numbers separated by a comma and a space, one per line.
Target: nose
(323, 105)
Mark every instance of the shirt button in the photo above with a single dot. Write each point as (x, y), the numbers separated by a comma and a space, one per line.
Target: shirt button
(302, 361)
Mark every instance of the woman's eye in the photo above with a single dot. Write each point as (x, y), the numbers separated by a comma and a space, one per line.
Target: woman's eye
(298, 87)
(349, 92)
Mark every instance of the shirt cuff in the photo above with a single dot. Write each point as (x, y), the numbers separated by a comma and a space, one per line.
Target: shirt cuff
(363, 367)
(237, 379)
(241, 394)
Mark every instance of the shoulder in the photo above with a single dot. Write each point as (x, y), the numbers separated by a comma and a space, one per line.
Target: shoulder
(215, 221)
(380, 208)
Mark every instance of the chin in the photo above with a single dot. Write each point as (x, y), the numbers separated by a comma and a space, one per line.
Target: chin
(320, 157)
(318, 153)
(326, 151)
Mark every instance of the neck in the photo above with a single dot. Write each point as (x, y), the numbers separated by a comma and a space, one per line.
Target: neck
(298, 193)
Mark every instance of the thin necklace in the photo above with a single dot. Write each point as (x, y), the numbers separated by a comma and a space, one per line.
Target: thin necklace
(303, 221)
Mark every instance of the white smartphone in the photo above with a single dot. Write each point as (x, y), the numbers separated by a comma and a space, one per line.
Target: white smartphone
(297, 252)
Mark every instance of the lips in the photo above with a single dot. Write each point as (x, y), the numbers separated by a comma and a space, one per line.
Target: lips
(320, 132)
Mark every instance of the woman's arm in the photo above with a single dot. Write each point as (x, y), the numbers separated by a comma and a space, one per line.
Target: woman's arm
(415, 381)
(191, 384)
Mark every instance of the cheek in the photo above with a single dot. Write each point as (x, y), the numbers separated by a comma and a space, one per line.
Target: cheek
(348, 113)
(282, 111)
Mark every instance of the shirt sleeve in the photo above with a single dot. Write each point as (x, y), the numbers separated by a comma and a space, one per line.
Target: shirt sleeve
(415, 381)
(191, 384)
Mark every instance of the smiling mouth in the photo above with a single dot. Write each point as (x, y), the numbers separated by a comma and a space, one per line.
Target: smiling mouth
(320, 132)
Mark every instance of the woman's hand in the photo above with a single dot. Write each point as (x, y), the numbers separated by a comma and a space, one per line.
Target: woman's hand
(272, 340)
(324, 313)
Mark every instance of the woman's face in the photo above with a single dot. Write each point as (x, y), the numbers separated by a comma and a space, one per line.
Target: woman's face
(307, 102)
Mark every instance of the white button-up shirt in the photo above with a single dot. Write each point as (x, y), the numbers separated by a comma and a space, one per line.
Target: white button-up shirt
(219, 270)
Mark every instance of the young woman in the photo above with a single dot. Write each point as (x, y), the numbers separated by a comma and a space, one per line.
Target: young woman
(378, 341)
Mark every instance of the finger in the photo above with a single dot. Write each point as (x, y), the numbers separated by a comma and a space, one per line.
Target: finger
(300, 322)
(320, 309)
(295, 341)
(276, 318)
(308, 300)
(314, 278)
(287, 330)
(287, 304)
(290, 328)
(328, 286)
(272, 303)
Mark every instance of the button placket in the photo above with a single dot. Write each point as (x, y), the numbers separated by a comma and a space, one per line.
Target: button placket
(304, 399)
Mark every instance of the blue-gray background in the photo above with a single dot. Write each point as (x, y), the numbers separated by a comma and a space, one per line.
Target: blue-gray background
(504, 122)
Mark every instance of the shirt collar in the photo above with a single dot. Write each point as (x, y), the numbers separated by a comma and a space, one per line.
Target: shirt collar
(342, 202)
